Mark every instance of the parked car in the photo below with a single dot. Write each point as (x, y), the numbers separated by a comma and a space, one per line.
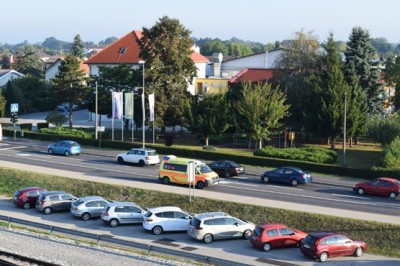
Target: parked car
(227, 168)
(140, 156)
(26, 197)
(324, 245)
(88, 207)
(50, 201)
(218, 225)
(269, 236)
(382, 186)
(162, 219)
(116, 213)
(65, 147)
(290, 175)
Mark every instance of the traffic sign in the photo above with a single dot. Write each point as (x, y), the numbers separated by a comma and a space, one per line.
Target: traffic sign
(14, 107)
(101, 128)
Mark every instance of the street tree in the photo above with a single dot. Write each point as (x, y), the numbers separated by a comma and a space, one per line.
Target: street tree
(69, 85)
(27, 61)
(362, 54)
(165, 48)
(77, 47)
(262, 108)
(209, 115)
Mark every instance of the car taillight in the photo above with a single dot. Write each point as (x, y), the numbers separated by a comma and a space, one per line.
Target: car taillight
(21, 196)
(75, 208)
(41, 202)
(106, 214)
(237, 169)
(149, 220)
(147, 158)
(198, 228)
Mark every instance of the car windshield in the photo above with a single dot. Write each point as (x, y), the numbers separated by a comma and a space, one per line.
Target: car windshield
(258, 230)
(204, 168)
(234, 164)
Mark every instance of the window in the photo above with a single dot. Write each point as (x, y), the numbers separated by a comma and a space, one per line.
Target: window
(122, 50)
(180, 215)
(167, 214)
(341, 239)
(54, 198)
(132, 209)
(91, 204)
(120, 209)
(272, 232)
(219, 221)
(66, 197)
(331, 240)
(286, 231)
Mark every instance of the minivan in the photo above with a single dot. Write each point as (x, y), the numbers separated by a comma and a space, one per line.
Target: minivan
(175, 170)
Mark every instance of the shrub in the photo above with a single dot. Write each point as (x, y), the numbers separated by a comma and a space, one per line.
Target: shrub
(391, 154)
(26, 126)
(309, 154)
(42, 125)
(65, 131)
(56, 118)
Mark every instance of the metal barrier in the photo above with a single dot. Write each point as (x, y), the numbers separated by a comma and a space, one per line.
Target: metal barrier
(121, 242)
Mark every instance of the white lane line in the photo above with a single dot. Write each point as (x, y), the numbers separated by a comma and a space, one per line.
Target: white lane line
(318, 198)
(256, 185)
(12, 148)
(350, 196)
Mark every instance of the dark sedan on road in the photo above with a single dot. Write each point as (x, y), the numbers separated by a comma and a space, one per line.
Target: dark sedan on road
(290, 175)
(382, 186)
(65, 147)
(227, 168)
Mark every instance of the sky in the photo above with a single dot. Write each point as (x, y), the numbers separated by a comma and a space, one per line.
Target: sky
(264, 21)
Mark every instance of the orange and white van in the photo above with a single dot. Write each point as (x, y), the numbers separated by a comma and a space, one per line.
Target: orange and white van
(175, 170)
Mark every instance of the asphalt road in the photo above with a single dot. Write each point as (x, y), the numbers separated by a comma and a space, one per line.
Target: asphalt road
(326, 195)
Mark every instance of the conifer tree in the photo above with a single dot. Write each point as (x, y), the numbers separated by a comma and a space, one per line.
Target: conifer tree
(77, 47)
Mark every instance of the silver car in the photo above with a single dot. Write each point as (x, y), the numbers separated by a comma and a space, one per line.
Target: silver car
(88, 207)
(218, 225)
(116, 213)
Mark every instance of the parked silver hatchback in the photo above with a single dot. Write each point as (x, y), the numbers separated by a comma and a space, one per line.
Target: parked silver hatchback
(88, 207)
(49, 201)
(115, 213)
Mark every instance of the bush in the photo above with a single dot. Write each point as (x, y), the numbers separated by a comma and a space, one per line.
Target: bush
(42, 125)
(56, 118)
(26, 126)
(309, 154)
(65, 131)
(391, 155)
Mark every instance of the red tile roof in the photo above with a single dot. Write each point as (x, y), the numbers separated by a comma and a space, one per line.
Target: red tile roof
(112, 53)
(252, 75)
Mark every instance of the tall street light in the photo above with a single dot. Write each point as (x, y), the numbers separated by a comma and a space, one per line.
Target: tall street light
(143, 111)
(344, 131)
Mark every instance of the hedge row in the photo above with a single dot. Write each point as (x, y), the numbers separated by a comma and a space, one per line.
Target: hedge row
(381, 238)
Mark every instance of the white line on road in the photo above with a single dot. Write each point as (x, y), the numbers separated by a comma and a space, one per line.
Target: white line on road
(349, 196)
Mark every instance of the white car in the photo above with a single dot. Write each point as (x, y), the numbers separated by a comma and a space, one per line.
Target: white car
(139, 156)
(163, 219)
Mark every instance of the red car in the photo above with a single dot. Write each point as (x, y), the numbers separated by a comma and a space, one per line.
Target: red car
(26, 197)
(382, 186)
(269, 236)
(324, 245)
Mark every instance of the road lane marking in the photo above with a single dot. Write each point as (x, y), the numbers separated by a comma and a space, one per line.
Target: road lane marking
(350, 196)
(11, 148)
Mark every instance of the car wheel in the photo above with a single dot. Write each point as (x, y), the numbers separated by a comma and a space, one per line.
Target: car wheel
(47, 210)
(358, 252)
(114, 222)
(392, 195)
(200, 185)
(360, 191)
(50, 151)
(27, 205)
(295, 182)
(267, 247)
(157, 230)
(247, 234)
(323, 257)
(120, 160)
(266, 179)
(85, 216)
(227, 174)
(141, 163)
(165, 180)
(208, 238)
(66, 153)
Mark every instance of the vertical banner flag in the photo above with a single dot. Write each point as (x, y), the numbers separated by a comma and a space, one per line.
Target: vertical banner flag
(151, 106)
(117, 105)
(129, 105)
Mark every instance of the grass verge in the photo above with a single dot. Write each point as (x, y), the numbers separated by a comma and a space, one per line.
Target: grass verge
(381, 238)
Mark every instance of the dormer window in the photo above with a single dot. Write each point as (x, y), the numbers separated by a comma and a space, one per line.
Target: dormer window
(122, 50)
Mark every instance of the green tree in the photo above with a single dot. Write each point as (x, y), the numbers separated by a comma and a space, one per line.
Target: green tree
(332, 91)
(209, 115)
(391, 154)
(169, 68)
(70, 83)
(77, 47)
(362, 54)
(27, 61)
(263, 109)
(3, 103)
(215, 46)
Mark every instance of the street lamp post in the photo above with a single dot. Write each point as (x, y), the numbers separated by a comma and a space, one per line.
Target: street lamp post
(95, 115)
(143, 110)
(344, 131)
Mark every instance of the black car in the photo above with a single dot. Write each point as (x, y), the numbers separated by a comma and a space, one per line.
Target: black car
(291, 175)
(227, 168)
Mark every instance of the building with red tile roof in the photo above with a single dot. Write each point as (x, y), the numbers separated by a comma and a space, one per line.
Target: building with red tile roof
(252, 75)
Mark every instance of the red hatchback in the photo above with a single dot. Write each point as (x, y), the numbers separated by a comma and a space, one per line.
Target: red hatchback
(324, 245)
(382, 186)
(269, 236)
(26, 197)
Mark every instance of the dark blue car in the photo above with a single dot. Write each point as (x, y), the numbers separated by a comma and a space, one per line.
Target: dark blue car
(64, 147)
(290, 175)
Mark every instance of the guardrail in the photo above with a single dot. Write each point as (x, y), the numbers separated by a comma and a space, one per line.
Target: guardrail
(121, 242)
